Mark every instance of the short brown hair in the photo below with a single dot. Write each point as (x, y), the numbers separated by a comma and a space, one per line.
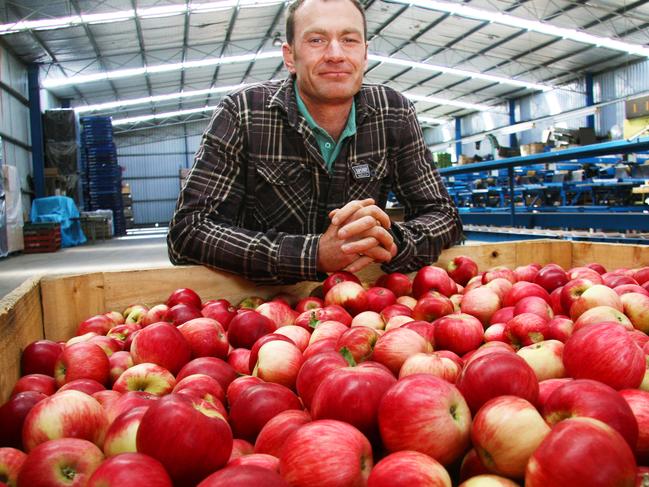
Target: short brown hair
(296, 4)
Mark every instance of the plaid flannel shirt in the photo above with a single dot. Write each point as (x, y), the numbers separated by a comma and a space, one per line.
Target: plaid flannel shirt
(257, 198)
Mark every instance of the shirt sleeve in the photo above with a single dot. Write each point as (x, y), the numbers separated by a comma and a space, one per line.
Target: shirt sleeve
(431, 220)
(204, 228)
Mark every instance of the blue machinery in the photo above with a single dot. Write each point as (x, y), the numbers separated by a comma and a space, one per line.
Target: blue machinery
(602, 201)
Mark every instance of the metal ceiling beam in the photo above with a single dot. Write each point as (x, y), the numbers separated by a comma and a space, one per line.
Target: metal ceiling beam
(140, 40)
(184, 55)
(95, 47)
(226, 41)
(269, 33)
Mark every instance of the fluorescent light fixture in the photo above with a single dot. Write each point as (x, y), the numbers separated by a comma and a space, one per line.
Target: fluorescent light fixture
(432, 120)
(160, 116)
(161, 68)
(464, 10)
(459, 72)
(122, 15)
(156, 99)
(443, 101)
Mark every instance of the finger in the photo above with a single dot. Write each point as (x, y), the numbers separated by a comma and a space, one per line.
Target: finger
(359, 264)
(359, 246)
(356, 227)
(340, 215)
(379, 254)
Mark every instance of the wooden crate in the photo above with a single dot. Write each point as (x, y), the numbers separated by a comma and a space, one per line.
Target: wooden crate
(41, 237)
(53, 306)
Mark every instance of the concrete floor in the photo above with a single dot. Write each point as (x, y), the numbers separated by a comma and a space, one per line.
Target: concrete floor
(142, 249)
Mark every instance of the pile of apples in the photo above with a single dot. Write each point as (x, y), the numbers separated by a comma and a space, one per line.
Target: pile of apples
(534, 376)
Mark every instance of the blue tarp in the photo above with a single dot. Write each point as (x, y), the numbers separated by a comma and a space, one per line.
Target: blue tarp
(60, 209)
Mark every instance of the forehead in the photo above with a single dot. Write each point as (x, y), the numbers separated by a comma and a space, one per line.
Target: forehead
(323, 15)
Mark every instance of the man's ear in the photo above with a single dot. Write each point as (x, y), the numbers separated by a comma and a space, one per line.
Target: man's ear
(287, 54)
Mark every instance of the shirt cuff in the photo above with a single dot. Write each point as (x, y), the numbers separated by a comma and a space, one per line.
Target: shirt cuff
(297, 259)
(405, 252)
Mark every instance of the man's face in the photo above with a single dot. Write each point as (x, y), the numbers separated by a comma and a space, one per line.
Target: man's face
(329, 53)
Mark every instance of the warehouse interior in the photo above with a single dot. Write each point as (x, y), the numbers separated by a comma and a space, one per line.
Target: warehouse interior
(537, 111)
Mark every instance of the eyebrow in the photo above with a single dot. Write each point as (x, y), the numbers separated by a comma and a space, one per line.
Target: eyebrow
(319, 30)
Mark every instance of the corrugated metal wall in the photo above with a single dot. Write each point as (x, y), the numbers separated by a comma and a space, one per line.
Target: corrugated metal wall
(14, 120)
(482, 122)
(151, 161)
(623, 82)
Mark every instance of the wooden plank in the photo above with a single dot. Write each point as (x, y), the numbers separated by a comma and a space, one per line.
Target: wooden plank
(21, 322)
(611, 256)
(544, 252)
(68, 300)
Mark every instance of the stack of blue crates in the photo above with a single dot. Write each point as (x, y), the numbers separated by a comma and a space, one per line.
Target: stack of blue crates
(102, 176)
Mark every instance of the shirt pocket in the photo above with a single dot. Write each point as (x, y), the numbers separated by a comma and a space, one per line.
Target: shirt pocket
(368, 179)
(283, 192)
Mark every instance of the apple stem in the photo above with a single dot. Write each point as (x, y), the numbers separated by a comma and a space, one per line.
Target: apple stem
(68, 472)
(313, 322)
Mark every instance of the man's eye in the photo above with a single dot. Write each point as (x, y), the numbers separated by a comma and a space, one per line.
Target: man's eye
(316, 40)
(351, 40)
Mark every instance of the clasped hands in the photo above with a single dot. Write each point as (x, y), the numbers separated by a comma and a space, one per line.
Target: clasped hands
(357, 236)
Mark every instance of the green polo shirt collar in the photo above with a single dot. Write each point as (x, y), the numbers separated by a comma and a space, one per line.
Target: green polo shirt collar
(329, 148)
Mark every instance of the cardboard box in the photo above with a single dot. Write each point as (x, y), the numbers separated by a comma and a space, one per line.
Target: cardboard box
(53, 306)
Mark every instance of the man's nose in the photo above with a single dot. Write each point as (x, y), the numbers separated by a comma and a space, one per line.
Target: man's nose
(334, 50)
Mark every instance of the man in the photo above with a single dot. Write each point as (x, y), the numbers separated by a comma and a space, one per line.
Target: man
(292, 177)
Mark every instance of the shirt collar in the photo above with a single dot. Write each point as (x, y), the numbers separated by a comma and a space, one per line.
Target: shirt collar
(350, 126)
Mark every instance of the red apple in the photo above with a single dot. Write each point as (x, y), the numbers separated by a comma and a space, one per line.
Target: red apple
(241, 448)
(124, 333)
(461, 269)
(201, 386)
(495, 333)
(61, 462)
(363, 386)
(526, 329)
(359, 341)
(641, 275)
(497, 272)
(592, 399)
(135, 314)
(185, 296)
(159, 312)
(256, 405)
(599, 314)
(162, 344)
(379, 298)
(239, 359)
(262, 460)
(527, 272)
(273, 435)
(12, 417)
(250, 303)
(309, 303)
(432, 305)
(583, 272)
(279, 362)
(348, 454)
(396, 310)
(121, 436)
(396, 282)
(636, 308)
(247, 327)
(146, 377)
(555, 301)
(206, 338)
(221, 311)
(459, 333)
(496, 374)
(313, 372)
(336, 278)
(426, 414)
(39, 357)
(212, 366)
(545, 358)
(409, 468)
(551, 277)
(116, 316)
(535, 305)
(130, 470)
(70, 414)
(198, 443)
(638, 401)
(503, 315)
(560, 328)
(607, 353)
(524, 289)
(244, 476)
(99, 324)
(481, 302)
(434, 364)
(348, 294)
(547, 387)
(35, 382)
(395, 346)
(298, 335)
(471, 466)
(581, 451)
(278, 312)
(88, 386)
(119, 362)
(82, 361)
(597, 295)
(630, 288)
(181, 313)
(310, 319)
(238, 385)
(505, 432)
(11, 461)
(432, 278)
(614, 280)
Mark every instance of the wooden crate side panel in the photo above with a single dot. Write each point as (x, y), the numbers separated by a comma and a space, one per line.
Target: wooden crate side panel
(69, 300)
(611, 256)
(21, 322)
